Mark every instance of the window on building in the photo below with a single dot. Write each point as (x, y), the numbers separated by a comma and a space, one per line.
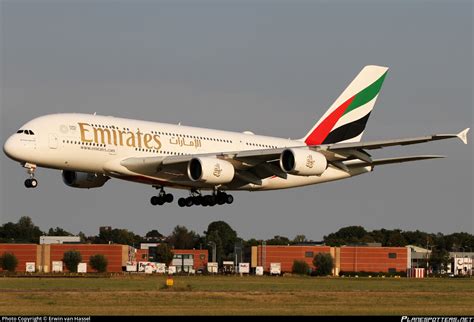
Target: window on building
(392, 270)
(309, 254)
(392, 255)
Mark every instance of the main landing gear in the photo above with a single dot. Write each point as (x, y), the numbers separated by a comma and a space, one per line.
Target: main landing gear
(31, 182)
(162, 198)
(217, 198)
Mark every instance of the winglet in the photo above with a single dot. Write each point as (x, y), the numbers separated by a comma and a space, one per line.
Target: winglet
(463, 135)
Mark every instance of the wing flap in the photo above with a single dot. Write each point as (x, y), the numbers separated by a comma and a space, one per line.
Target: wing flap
(393, 160)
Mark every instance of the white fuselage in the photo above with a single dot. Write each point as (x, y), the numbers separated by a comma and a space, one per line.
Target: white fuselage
(97, 144)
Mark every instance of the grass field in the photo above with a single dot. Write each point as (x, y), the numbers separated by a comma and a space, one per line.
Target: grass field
(248, 295)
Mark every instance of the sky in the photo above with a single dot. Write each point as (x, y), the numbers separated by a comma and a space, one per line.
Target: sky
(271, 67)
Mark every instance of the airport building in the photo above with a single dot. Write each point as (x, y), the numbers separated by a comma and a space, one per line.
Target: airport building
(345, 258)
(47, 257)
(410, 260)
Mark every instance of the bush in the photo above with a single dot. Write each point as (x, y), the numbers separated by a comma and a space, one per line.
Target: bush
(99, 263)
(71, 259)
(323, 263)
(300, 267)
(8, 262)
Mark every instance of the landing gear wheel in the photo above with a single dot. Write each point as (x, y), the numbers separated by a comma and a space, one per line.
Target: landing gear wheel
(212, 201)
(161, 201)
(31, 183)
(168, 198)
(154, 200)
(197, 200)
(229, 199)
(189, 201)
(204, 202)
(182, 202)
(221, 197)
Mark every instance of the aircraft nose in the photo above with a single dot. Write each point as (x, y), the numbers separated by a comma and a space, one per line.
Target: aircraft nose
(9, 147)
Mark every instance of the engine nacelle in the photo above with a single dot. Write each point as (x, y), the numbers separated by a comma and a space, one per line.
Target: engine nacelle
(83, 179)
(210, 170)
(303, 162)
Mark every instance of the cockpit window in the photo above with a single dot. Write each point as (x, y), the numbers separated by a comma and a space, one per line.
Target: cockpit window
(27, 132)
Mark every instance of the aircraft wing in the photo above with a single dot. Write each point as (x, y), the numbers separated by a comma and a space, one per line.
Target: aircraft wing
(254, 165)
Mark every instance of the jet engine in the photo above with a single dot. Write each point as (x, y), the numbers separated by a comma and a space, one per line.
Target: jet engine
(83, 179)
(303, 162)
(210, 170)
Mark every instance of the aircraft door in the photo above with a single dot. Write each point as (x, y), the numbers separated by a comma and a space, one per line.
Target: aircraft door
(53, 141)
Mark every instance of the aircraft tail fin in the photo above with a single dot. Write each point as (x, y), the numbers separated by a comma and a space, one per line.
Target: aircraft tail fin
(345, 120)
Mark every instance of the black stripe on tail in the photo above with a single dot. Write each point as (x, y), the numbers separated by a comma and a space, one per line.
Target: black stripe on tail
(347, 131)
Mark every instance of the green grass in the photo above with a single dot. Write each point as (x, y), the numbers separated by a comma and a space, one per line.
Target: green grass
(142, 295)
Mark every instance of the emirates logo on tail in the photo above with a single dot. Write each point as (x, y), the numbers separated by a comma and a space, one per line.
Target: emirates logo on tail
(217, 170)
(310, 161)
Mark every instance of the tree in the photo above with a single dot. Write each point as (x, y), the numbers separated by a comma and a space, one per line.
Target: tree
(83, 237)
(118, 236)
(224, 236)
(214, 240)
(23, 231)
(252, 242)
(439, 259)
(58, 232)
(99, 263)
(8, 262)
(300, 267)
(345, 235)
(299, 239)
(182, 238)
(154, 235)
(396, 239)
(278, 240)
(71, 259)
(416, 237)
(164, 254)
(323, 263)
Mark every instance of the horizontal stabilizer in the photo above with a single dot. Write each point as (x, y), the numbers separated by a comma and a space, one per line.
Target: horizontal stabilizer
(394, 142)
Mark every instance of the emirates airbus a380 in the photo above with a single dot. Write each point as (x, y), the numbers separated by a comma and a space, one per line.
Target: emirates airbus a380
(91, 149)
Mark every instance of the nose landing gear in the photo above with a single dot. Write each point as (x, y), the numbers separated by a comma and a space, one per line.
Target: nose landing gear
(31, 182)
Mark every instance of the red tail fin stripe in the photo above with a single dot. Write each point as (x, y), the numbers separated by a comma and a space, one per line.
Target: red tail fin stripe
(322, 130)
